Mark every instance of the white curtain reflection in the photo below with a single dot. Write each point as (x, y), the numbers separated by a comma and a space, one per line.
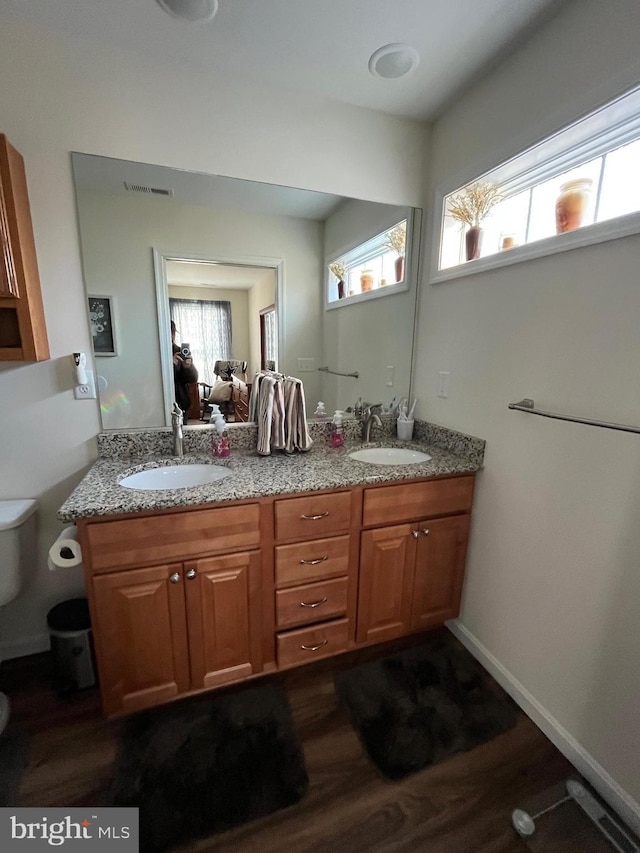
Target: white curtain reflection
(206, 326)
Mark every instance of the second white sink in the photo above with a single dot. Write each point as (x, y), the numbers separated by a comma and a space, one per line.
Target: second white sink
(175, 477)
(389, 456)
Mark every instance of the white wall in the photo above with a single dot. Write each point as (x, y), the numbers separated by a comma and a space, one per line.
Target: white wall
(59, 96)
(553, 587)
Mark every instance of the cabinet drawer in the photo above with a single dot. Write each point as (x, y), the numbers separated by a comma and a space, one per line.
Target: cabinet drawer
(307, 644)
(309, 561)
(312, 602)
(313, 516)
(176, 536)
(409, 501)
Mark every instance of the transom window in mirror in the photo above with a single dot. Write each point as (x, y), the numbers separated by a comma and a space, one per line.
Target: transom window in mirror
(584, 180)
(205, 325)
(371, 266)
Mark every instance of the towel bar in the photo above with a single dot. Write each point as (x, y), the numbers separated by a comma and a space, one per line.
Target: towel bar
(354, 375)
(527, 405)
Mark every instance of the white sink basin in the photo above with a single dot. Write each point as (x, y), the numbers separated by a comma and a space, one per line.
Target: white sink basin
(389, 456)
(175, 477)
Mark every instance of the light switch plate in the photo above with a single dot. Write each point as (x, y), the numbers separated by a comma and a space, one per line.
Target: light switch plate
(444, 382)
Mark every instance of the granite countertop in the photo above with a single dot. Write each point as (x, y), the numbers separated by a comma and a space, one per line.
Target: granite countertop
(253, 476)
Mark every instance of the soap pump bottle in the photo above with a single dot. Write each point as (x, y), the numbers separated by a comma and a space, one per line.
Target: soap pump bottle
(220, 444)
(337, 433)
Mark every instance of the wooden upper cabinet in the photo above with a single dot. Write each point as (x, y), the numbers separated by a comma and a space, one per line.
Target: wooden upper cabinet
(23, 333)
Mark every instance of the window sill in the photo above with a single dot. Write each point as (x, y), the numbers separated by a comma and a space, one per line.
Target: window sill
(600, 232)
(387, 290)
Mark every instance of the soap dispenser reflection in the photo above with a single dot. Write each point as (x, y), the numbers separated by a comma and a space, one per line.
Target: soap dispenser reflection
(337, 433)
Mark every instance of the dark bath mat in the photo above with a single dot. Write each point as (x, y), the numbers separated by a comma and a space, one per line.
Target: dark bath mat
(14, 758)
(205, 765)
(417, 707)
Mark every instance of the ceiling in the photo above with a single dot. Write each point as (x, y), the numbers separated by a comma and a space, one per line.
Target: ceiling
(109, 175)
(236, 277)
(317, 47)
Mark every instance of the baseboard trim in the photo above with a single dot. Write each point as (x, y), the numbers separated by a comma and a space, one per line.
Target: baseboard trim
(25, 646)
(620, 801)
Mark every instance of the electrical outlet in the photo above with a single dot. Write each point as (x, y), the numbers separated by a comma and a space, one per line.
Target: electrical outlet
(306, 365)
(444, 382)
(88, 390)
(390, 375)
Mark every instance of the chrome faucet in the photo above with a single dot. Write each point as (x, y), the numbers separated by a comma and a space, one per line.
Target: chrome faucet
(177, 416)
(369, 419)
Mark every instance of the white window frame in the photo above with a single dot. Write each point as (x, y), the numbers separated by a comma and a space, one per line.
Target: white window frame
(608, 128)
(414, 221)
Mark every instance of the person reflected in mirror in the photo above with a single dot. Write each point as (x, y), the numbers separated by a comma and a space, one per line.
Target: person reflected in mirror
(184, 374)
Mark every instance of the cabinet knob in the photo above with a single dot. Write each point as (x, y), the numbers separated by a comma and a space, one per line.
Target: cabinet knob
(175, 577)
(416, 533)
(426, 531)
(191, 574)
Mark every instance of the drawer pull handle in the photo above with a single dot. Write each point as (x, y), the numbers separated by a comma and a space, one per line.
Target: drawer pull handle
(314, 562)
(315, 517)
(313, 603)
(314, 648)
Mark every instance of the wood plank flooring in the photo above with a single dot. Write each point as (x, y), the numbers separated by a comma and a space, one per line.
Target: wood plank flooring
(462, 805)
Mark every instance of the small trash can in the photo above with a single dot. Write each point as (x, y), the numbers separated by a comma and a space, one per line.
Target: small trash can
(72, 646)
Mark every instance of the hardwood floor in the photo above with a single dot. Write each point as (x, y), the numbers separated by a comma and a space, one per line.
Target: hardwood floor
(462, 805)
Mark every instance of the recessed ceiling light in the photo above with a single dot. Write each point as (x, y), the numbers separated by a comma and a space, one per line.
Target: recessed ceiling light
(393, 61)
(190, 10)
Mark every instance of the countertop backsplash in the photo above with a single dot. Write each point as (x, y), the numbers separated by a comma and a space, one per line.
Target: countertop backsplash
(243, 437)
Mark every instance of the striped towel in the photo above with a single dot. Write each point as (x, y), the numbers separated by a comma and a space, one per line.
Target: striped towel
(278, 406)
(265, 414)
(296, 431)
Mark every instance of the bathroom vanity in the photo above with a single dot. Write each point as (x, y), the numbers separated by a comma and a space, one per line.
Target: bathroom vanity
(293, 559)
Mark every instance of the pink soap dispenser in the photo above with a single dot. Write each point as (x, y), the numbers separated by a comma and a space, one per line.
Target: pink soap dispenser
(337, 434)
(220, 444)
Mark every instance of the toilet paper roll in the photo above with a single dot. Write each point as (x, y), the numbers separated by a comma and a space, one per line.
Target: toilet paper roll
(65, 552)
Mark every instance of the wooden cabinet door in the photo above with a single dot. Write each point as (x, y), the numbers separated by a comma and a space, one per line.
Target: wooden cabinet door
(224, 618)
(439, 570)
(141, 637)
(387, 558)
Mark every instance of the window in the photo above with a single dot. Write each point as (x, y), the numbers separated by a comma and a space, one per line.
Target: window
(595, 161)
(373, 268)
(206, 326)
(268, 338)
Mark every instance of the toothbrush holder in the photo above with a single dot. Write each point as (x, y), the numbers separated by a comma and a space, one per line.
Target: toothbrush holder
(404, 430)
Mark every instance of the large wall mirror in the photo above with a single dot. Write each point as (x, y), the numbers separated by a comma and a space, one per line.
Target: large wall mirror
(151, 236)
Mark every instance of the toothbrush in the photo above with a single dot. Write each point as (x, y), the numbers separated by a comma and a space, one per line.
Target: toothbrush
(410, 416)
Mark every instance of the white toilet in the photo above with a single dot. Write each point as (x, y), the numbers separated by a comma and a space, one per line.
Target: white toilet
(17, 559)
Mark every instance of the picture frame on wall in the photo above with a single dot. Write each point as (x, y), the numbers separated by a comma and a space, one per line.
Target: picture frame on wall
(103, 332)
